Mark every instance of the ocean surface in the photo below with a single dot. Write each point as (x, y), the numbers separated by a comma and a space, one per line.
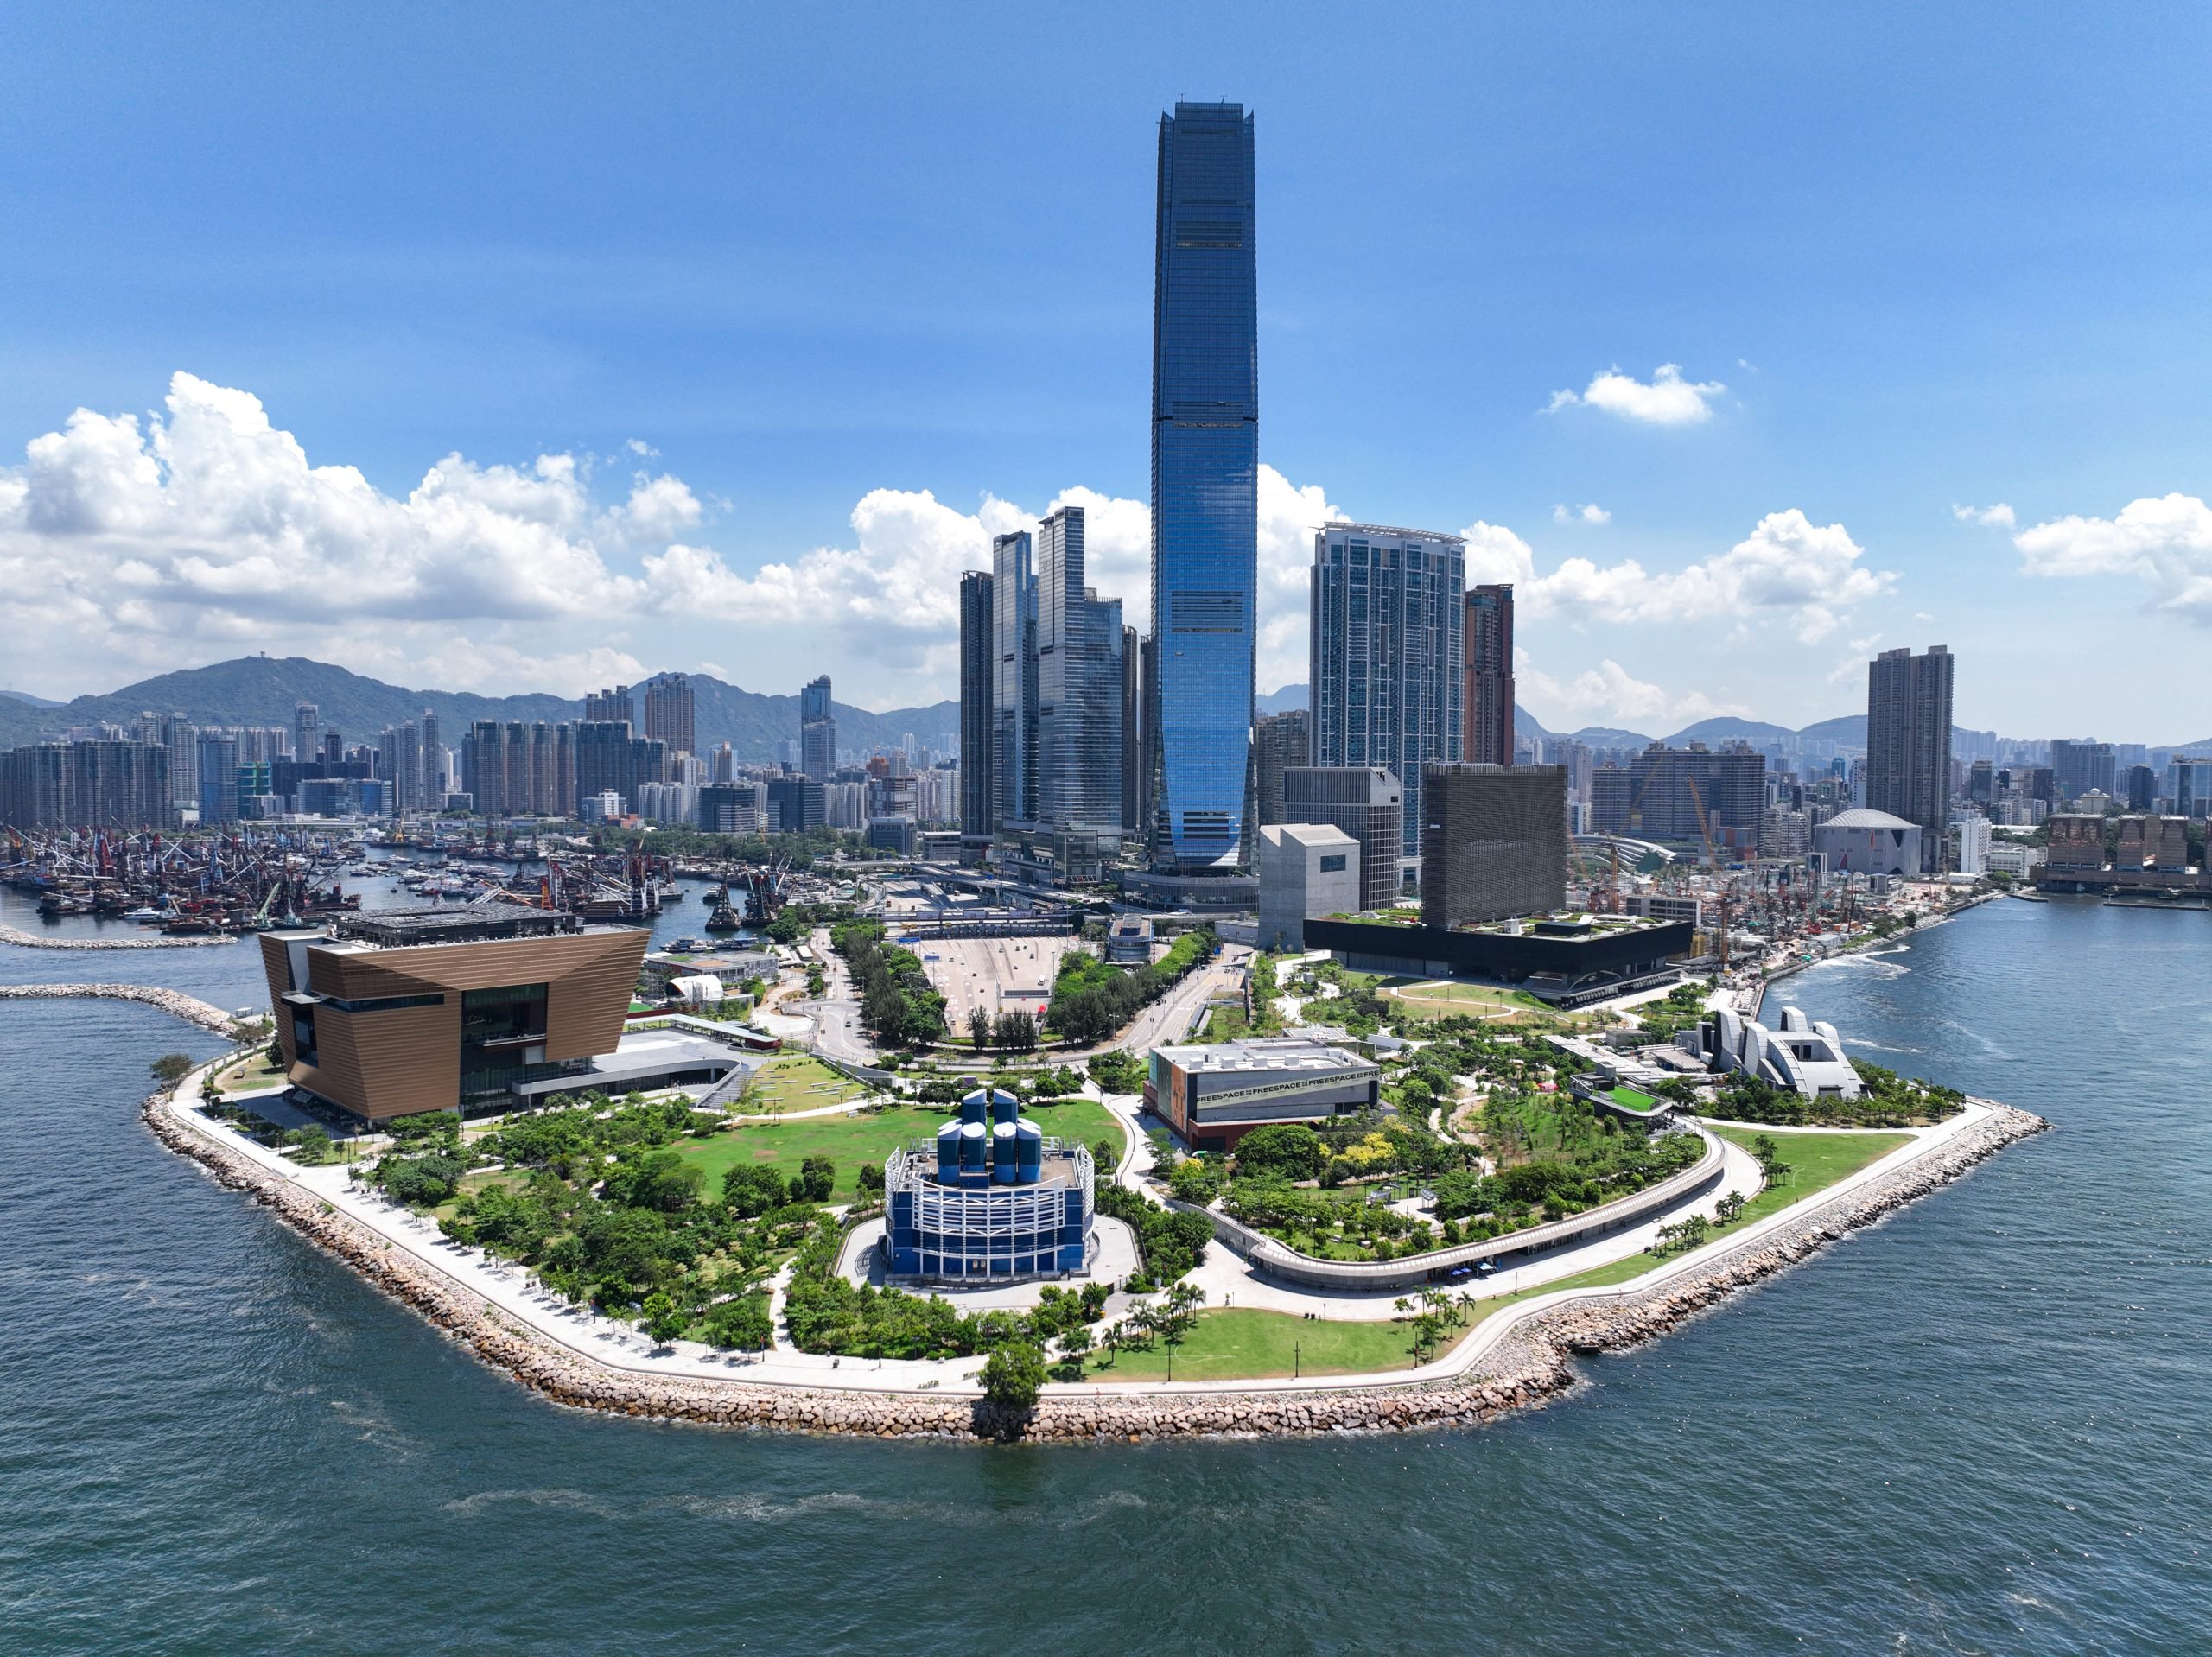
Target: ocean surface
(1980, 1427)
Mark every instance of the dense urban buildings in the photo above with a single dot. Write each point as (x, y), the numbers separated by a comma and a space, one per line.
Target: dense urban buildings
(1279, 741)
(1205, 461)
(101, 783)
(668, 712)
(1367, 803)
(1684, 794)
(1385, 635)
(2081, 767)
(978, 670)
(1487, 690)
(817, 731)
(1493, 842)
(1908, 741)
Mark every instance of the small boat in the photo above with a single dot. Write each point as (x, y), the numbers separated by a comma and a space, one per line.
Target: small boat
(687, 946)
(147, 912)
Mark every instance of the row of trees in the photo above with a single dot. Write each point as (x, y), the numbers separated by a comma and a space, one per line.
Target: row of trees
(899, 1007)
(1091, 1001)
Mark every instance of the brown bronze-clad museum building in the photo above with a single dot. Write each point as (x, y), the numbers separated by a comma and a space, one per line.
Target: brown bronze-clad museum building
(403, 1010)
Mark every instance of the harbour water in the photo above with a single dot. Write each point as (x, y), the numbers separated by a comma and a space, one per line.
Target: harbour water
(1977, 1427)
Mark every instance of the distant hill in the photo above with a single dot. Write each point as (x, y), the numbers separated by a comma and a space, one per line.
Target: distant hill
(1608, 736)
(35, 702)
(262, 690)
(1714, 732)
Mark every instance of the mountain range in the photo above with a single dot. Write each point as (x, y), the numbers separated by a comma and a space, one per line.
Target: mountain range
(262, 690)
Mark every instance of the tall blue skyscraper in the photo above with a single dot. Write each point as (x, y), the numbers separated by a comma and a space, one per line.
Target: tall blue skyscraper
(1013, 678)
(1079, 686)
(1206, 474)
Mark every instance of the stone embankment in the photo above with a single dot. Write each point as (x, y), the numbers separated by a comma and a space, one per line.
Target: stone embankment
(33, 941)
(1528, 1366)
(190, 1008)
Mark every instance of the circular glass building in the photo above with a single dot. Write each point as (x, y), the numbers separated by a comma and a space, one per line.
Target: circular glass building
(991, 1196)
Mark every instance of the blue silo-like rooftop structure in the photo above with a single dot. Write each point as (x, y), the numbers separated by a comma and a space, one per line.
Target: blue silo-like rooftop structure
(991, 1196)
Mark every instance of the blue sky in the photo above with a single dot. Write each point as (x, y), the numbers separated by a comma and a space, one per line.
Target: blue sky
(755, 282)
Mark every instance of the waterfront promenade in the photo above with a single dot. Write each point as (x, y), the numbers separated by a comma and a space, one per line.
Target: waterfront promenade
(1505, 1361)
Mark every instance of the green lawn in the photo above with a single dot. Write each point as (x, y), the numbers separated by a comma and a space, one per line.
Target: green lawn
(796, 1082)
(849, 1141)
(1232, 1343)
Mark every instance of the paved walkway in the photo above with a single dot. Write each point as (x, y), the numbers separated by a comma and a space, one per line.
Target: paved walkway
(510, 1290)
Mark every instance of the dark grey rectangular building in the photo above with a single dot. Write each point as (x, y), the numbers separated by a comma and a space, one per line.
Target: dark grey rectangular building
(1493, 842)
(1279, 741)
(1908, 741)
(978, 672)
(1367, 803)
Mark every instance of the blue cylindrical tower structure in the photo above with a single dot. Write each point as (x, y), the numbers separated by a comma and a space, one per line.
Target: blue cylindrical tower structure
(973, 1152)
(1029, 1140)
(1006, 1155)
(948, 1152)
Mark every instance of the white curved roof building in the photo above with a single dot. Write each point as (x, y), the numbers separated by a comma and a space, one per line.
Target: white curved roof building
(1867, 841)
(1796, 1054)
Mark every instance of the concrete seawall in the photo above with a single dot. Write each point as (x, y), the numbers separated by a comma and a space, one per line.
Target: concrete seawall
(1521, 1358)
(190, 1008)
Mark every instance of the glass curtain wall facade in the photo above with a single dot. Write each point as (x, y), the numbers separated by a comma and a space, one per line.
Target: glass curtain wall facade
(1078, 685)
(1388, 607)
(1013, 691)
(978, 670)
(817, 731)
(1205, 425)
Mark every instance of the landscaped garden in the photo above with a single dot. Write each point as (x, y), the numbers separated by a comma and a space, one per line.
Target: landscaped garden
(1342, 1188)
(1889, 1101)
(794, 1082)
(867, 1136)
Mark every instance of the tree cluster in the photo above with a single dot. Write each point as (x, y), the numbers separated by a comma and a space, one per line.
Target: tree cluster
(897, 1005)
(1091, 1001)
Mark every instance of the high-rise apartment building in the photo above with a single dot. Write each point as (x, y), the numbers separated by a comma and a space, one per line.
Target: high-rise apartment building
(400, 761)
(601, 705)
(1137, 754)
(2079, 764)
(817, 731)
(434, 765)
(1205, 466)
(1367, 803)
(1493, 842)
(1078, 641)
(1488, 691)
(1279, 741)
(1908, 741)
(307, 730)
(1387, 662)
(670, 716)
(1014, 680)
(218, 768)
(978, 670)
(102, 783)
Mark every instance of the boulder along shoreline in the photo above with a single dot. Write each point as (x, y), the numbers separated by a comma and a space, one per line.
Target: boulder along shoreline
(33, 941)
(175, 1002)
(1529, 1366)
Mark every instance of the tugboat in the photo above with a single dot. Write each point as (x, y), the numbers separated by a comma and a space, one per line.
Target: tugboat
(725, 918)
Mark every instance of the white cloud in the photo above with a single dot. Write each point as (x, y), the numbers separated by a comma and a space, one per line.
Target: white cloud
(1609, 694)
(206, 533)
(1999, 517)
(1589, 513)
(1788, 568)
(2166, 543)
(1667, 400)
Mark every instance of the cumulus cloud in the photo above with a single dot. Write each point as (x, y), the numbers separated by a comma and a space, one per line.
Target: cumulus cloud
(1805, 574)
(1667, 399)
(2165, 543)
(205, 530)
(1589, 512)
(1999, 517)
(1610, 694)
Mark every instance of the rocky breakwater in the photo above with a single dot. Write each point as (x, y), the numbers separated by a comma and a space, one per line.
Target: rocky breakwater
(1524, 1367)
(190, 1008)
(34, 941)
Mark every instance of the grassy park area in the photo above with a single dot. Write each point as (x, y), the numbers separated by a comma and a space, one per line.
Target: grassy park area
(252, 1075)
(1232, 1343)
(864, 1137)
(795, 1081)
